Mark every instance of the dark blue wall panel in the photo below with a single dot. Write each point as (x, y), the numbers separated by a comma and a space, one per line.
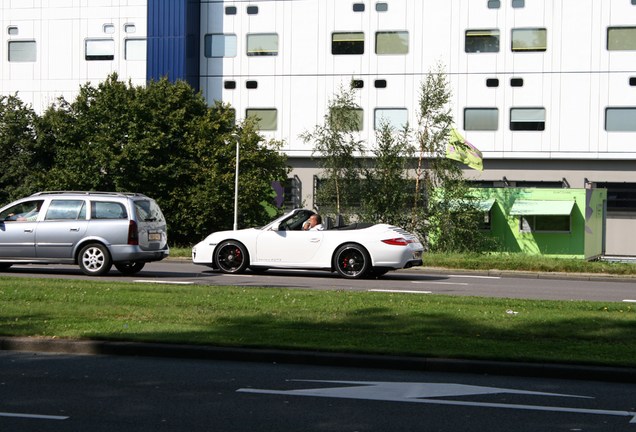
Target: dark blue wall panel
(173, 40)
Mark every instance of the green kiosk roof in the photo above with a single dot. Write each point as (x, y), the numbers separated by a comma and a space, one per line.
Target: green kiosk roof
(541, 207)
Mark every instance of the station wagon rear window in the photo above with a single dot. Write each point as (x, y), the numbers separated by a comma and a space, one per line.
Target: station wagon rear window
(148, 211)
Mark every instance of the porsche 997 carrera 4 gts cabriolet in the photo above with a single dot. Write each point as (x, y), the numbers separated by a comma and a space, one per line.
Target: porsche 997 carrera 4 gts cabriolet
(355, 250)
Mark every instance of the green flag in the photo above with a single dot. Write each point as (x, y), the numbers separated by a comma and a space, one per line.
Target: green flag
(461, 150)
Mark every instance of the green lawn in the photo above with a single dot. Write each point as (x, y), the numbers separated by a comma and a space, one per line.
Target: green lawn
(359, 322)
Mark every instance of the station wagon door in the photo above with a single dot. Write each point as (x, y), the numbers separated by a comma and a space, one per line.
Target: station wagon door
(64, 225)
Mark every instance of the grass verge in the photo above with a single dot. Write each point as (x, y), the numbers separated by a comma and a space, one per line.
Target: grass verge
(358, 322)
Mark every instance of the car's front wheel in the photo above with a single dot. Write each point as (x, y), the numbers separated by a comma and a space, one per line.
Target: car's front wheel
(130, 268)
(352, 261)
(231, 257)
(94, 260)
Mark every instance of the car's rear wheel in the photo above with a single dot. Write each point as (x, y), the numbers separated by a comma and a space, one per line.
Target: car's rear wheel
(94, 260)
(352, 261)
(130, 268)
(231, 257)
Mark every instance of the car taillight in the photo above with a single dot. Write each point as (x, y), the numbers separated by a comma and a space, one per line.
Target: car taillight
(133, 234)
(400, 241)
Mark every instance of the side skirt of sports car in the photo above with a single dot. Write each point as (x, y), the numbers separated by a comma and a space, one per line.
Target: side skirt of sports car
(353, 251)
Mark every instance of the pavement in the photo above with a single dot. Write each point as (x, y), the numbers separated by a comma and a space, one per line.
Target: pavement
(205, 352)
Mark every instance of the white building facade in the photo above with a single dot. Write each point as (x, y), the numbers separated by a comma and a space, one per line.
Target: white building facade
(546, 89)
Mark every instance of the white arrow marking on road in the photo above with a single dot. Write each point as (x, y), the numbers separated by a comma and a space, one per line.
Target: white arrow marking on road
(421, 392)
(33, 416)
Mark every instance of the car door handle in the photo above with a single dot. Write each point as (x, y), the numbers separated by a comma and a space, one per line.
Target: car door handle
(75, 229)
(314, 240)
(29, 230)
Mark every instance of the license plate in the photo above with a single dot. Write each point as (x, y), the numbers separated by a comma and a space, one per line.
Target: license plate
(154, 236)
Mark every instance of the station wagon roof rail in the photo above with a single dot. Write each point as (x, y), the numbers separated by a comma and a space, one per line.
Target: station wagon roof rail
(123, 194)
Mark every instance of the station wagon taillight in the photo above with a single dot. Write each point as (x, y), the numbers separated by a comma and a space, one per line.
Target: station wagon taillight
(133, 233)
(399, 241)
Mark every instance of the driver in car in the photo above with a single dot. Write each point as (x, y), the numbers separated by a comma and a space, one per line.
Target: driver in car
(314, 223)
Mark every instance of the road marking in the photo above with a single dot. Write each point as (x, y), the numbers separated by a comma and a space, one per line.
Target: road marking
(629, 301)
(400, 291)
(33, 416)
(163, 282)
(475, 277)
(439, 283)
(424, 393)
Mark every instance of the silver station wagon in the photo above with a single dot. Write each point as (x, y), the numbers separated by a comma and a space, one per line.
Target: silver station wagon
(94, 230)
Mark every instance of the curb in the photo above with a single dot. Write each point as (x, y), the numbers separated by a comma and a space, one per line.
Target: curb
(92, 347)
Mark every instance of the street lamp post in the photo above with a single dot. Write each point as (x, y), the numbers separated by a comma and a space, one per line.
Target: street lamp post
(236, 182)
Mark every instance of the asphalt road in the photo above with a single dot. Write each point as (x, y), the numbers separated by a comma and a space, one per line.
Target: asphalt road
(412, 281)
(60, 392)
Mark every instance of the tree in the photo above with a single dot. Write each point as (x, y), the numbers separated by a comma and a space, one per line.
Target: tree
(23, 161)
(164, 141)
(443, 213)
(338, 148)
(387, 188)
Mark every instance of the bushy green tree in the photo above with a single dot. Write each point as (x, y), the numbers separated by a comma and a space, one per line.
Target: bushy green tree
(443, 213)
(161, 140)
(24, 161)
(337, 148)
(388, 190)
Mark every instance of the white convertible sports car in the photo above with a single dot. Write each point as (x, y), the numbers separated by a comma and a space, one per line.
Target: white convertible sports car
(354, 251)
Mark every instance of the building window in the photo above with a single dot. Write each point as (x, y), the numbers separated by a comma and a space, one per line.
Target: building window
(22, 51)
(544, 223)
(12, 30)
(108, 28)
(99, 49)
(350, 43)
(620, 119)
(494, 4)
(230, 10)
(262, 44)
(356, 120)
(219, 45)
(383, 7)
(481, 119)
(518, 4)
(251, 84)
(266, 118)
(358, 7)
(480, 41)
(516, 82)
(252, 10)
(357, 84)
(130, 28)
(229, 85)
(529, 39)
(621, 38)
(492, 82)
(393, 42)
(380, 83)
(135, 49)
(621, 197)
(527, 119)
(397, 118)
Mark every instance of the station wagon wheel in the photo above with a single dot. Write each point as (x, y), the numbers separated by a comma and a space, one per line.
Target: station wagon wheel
(352, 261)
(94, 260)
(231, 257)
(130, 268)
